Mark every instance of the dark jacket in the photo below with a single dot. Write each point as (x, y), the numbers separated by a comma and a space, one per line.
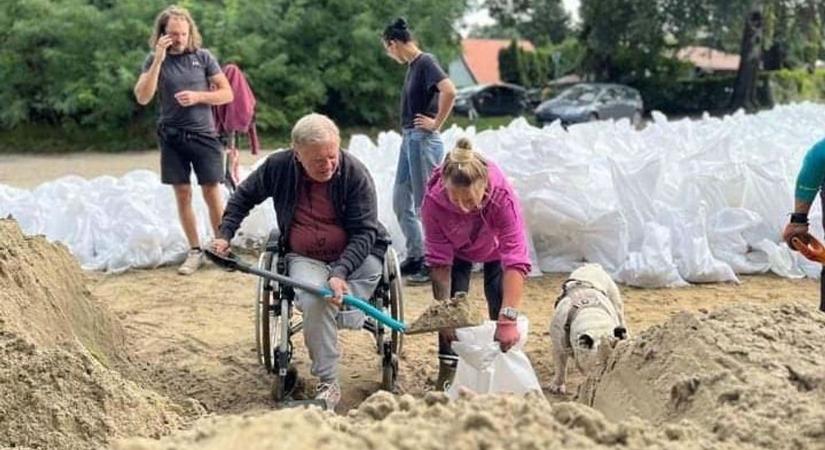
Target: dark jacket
(352, 192)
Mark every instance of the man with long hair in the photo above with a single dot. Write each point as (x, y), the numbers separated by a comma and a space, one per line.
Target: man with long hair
(182, 72)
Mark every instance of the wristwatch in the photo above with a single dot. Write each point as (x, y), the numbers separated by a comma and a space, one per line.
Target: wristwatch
(509, 313)
(800, 218)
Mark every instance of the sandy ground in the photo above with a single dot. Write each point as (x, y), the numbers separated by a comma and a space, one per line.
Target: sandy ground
(194, 336)
(27, 171)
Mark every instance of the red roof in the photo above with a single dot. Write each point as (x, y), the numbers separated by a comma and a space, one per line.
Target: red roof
(709, 59)
(481, 57)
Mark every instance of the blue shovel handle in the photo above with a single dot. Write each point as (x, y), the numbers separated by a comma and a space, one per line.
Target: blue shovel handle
(371, 311)
(232, 262)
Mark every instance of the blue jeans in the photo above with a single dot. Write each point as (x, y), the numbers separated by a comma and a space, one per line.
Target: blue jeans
(421, 152)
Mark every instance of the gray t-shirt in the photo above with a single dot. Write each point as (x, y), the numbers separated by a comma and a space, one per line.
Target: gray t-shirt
(185, 72)
(420, 94)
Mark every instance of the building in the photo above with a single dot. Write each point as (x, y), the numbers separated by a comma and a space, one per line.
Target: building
(706, 60)
(478, 63)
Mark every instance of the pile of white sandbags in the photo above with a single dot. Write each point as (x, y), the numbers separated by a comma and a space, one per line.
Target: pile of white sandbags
(677, 202)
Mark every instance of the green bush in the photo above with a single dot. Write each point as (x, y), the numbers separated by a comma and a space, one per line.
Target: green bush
(797, 85)
(712, 93)
(72, 64)
(536, 68)
(687, 96)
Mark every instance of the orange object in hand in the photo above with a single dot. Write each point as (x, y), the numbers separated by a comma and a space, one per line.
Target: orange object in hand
(809, 246)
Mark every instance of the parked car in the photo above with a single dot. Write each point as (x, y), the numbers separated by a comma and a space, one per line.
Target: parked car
(586, 102)
(491, 100)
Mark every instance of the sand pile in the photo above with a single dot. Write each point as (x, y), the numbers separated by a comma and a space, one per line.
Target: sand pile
(751, 375)
(391, 422)
(45, 299)
(457, 312)
(58, 350)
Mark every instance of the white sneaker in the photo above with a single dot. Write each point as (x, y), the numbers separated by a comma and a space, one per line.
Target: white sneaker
(330, 393)
(194, 259)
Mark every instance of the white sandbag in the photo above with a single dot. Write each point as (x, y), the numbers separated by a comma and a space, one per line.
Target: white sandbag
(691, 249)
(732, 234)
(783, 261)
(653, 265)
(636, 186)
(484, 369)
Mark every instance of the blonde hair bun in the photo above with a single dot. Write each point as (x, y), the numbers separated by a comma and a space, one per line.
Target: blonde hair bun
(463, 151)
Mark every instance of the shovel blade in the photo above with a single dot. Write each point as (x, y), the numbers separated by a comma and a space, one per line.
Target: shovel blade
(458, 312)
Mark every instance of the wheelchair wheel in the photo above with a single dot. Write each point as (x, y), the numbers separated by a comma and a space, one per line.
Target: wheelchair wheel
(393, 347)
(396, 298)
(263, 315)
(286, 376)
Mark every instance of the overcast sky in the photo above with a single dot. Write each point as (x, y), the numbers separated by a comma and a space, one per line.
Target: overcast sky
(573, 8)
(481, 17)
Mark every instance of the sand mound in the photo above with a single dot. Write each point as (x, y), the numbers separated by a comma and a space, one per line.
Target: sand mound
(387, 421)
(750, 375)
(45, 299)
(58, 347)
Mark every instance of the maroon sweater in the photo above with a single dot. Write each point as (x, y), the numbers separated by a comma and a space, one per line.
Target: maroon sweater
(315, 232)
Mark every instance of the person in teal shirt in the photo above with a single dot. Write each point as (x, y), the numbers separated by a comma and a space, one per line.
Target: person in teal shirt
(808, 184)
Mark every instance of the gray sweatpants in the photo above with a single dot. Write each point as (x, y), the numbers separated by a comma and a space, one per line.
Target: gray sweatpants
(321, 318)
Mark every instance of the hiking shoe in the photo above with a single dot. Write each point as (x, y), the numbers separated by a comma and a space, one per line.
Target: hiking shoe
(194, 259)
(420, 277)
(411, 265)
(329, 392)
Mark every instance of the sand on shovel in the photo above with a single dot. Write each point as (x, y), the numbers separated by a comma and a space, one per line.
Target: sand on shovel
(457, 312)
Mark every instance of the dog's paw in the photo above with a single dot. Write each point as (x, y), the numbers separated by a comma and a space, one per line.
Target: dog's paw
(560, 389)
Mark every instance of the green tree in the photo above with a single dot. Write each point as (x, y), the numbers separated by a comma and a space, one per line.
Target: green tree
(303, 56)
(619, 38)
(508, 63)
(69, 63)
(539, 21)
(73, 63)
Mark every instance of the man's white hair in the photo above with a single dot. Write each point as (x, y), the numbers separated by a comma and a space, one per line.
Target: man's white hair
(313, 129)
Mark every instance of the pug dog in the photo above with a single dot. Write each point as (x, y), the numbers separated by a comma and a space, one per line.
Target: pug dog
(589, 313)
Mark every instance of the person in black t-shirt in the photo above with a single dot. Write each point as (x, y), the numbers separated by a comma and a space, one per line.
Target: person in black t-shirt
(426, 102)
(181, 72)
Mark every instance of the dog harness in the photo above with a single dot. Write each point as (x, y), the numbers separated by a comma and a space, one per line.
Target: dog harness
(575, 291)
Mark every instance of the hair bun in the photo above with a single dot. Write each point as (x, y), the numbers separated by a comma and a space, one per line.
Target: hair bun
(464, 144)
(463, 152)
(400, 24)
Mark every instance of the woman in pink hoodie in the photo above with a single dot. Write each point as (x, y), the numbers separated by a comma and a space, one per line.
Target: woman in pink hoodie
(471, 214)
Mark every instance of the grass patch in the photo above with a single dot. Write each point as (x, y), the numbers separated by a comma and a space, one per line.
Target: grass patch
(484, 123)
(53, 139)
(44, 139)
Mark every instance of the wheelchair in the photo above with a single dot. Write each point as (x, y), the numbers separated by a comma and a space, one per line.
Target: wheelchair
(275, 325)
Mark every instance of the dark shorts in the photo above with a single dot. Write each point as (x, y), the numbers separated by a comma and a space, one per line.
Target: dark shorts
(182, 151)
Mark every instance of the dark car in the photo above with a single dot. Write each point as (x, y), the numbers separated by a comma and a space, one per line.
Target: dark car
(585, 102)
(491, 100)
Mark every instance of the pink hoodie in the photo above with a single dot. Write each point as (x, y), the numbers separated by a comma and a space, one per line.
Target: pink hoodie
(496, 232)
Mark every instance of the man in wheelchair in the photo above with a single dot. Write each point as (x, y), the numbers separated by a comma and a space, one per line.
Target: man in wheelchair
(327, 212)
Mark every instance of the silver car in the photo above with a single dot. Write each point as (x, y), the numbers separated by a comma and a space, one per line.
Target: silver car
(586, 102)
